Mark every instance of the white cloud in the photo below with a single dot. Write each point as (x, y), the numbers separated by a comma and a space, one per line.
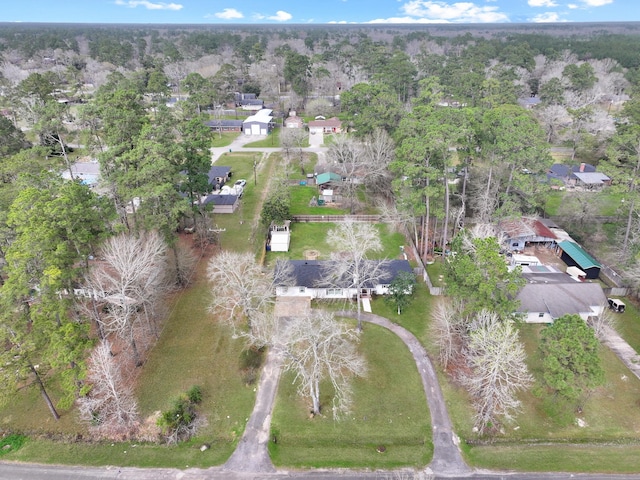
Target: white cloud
(548, 17)
(572, 6)
(406, 20)
(442, 12)
(149, 5)
(596, 3)
(542, 3)
(229, 14)
(281, 16)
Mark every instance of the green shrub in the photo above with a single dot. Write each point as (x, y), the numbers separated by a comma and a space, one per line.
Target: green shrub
(180, 421)
(11, 443)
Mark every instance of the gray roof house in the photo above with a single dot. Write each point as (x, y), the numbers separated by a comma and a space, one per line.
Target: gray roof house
(309, 280)
(218, 176)
(551, 294)
(582, 175)
(222, 203)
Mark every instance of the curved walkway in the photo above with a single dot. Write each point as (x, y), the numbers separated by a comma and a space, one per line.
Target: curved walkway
(447, 459)
(251, 454)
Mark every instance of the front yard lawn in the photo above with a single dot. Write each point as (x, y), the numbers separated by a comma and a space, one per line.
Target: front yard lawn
(389, 411)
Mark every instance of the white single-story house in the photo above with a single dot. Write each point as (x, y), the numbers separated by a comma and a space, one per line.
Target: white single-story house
(260, 123)
(309, 280)
(550, 295)
(222, 203)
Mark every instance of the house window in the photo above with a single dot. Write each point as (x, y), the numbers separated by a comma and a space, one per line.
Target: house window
(541, 314)
(334, 292)
(302, 289)
(515, 244)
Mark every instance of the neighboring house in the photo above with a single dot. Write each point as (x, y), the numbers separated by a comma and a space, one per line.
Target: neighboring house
(87, 172)
(591, 180)
(248, 101)
(331, 125)
(309, 281)
(222, 203)
(328, 187)
(575, 256)
(328, 180)
(524, 232)
(583, 175)
(550, 295)
(218, 176)
(253, 105)
(261, 123)
(279, 237)
(224, 125)
(293, 121)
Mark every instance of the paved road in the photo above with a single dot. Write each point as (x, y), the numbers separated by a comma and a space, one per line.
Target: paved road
(238, 145)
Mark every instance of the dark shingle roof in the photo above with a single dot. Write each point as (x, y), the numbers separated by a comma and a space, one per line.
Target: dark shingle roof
(311, 273)
(223, 123)
(218, 171)
(220, 199)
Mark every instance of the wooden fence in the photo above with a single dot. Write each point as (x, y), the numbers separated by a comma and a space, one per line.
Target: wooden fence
(336, 218)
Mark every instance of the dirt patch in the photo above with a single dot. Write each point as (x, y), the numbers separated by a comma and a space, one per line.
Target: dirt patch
(311, 254)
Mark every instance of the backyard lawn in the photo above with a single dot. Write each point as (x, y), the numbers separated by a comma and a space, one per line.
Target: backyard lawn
(312, 237)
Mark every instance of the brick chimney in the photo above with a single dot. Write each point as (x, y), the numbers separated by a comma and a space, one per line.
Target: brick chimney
(582, 165)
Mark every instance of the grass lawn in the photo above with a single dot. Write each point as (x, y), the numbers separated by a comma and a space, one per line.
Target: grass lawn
(436, 272)
(223, 139)
(628, 325)
(541, 440)
(554, 200)
(313, 236)
(311, 159)
(242, 233)
(192, 350)
(389, 409)
(272, 140)
(300, 198)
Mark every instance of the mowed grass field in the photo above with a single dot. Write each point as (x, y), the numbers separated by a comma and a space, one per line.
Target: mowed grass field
(389, 410)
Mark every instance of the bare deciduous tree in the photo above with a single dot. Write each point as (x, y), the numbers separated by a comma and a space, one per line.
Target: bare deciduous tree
(603, 322)
(243, 290)
(448, 330)
(292, 141)
(498, 369)
(346, 157)
(319, 347)
(379, 152)
(349, 266)
(109, 407)
(129, 282)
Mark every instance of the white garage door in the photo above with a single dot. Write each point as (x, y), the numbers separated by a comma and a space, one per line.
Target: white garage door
(255, 129)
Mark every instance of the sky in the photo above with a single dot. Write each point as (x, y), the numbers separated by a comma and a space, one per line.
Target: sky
(318, 12)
